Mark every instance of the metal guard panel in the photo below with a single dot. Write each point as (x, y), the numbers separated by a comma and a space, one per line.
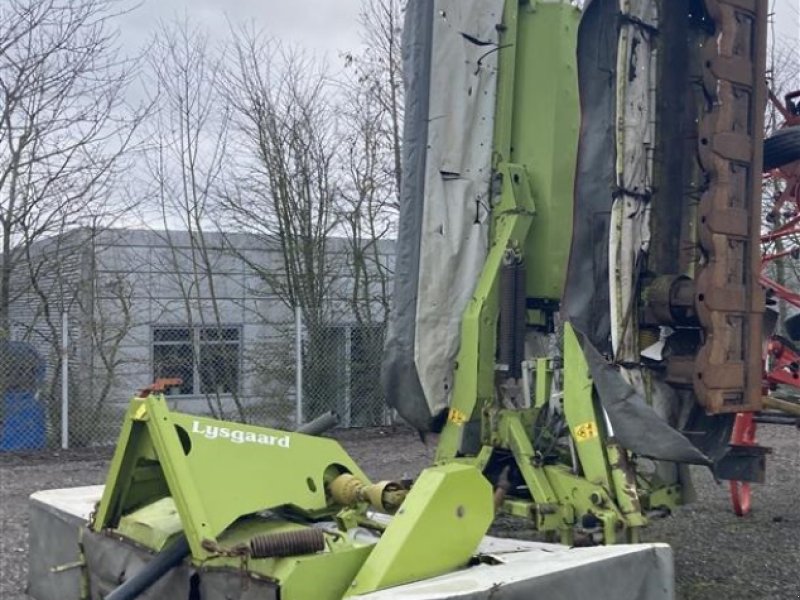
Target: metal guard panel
(729, 300)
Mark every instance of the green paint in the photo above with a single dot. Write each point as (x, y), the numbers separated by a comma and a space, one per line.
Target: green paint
(544, 382)
(214, 481)
(215, 471)
(585, 424)
(544, 139)
(451, 500)
(535, 149)
(473, 384)
(153, 525)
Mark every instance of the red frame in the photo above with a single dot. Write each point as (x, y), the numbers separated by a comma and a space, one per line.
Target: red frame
(781, 361)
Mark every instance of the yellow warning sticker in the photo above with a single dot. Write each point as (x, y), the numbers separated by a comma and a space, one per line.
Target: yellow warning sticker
(140, 413)
(456, 416)
(586, 431)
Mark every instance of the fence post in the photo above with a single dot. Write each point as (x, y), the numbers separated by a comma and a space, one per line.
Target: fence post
(348, 380)
(64, 381)
(298, 369)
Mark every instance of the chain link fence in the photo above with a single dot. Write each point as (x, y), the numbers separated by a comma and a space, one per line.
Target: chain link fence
(274, 374)
(110, 311)
(341, 373)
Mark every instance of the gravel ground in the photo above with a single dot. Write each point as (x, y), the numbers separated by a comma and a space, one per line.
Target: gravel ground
(717, 555)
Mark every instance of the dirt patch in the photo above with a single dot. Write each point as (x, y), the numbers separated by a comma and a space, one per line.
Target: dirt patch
(717, 555)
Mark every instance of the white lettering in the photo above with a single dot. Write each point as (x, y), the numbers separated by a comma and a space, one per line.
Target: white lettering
(239, 436)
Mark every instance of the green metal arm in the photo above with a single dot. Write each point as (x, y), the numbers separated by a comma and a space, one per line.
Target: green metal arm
(473, 384)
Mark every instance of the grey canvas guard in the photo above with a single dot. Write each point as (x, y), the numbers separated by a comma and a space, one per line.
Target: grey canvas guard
(635, 424)
(399, 373)
(586, 296)
(451, 84)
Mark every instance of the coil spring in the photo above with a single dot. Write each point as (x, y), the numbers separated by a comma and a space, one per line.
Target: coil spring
(289, 543)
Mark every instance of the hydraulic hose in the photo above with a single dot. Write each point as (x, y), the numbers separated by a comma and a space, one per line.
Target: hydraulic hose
(320, 425)
(169, 557)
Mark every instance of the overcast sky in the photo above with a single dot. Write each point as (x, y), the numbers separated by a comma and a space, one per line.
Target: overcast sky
(787, 21)
(327, 26)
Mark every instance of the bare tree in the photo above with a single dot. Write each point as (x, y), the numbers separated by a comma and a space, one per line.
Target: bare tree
(64, 126)
(285, 191)
(46, 282)
(65, 136)
(367, 208)
(58, 279)
(186, 163)
(372, 111)
(104, 318)
(372, 114)
(377, 72)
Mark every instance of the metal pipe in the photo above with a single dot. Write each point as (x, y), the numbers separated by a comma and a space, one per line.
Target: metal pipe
(320, 425)
(506, 341)
(169, 557)
(64, 380)
(775, 419)
(298, 368)
(782, 405)
(526, 384)
(520, 320)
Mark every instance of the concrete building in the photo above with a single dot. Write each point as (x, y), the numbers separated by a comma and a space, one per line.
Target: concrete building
(145, 304)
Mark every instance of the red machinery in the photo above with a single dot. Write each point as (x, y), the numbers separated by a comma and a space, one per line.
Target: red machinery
(781, 357)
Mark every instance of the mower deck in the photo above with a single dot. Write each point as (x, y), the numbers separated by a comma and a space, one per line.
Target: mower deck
(520, 569)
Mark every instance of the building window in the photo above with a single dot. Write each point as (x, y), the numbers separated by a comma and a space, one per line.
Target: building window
(206, 359)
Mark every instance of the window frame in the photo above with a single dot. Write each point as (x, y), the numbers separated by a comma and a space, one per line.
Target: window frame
(195, 339)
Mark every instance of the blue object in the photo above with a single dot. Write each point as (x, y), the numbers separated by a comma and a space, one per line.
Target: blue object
(23, 422)
(22, 415)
